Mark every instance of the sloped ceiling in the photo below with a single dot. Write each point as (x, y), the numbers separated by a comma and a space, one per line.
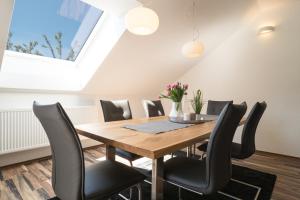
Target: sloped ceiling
(5, 17)
(144, 64)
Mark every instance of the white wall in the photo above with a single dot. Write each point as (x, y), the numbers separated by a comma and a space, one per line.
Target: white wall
(21, 99)
(248, 67)
(85, 112)
(11, 100)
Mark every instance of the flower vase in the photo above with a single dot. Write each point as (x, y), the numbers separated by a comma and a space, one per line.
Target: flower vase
(176, 110)
(198, 117)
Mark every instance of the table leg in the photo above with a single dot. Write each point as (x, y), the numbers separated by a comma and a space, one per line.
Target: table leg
(157, 179)
(110, 152)
(188, 151)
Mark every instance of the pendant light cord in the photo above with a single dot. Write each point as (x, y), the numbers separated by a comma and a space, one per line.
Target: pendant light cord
(195, 16)
(146, 3)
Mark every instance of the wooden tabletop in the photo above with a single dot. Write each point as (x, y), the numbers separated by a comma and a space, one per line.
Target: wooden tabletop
(145, 144)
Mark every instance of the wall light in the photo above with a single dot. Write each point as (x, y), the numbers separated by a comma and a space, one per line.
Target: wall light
(265, 30)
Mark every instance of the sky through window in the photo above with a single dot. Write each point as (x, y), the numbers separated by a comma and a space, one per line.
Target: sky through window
(51, 28)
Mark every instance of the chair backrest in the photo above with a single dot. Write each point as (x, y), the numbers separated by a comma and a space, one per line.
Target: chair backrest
(153, 108)
(216, 107)
(249, 130)
(67, 155)
(218, 161)
(116, 110)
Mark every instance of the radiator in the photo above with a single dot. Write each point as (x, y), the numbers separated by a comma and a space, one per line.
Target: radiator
(21, 130)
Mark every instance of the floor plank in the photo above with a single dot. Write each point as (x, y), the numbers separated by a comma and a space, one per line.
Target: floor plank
(32, 181)
(10, 184)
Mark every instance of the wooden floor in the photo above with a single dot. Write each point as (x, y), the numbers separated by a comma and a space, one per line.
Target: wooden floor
(31, 181)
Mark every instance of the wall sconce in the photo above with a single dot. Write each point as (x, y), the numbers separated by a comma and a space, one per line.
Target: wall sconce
(266, 30)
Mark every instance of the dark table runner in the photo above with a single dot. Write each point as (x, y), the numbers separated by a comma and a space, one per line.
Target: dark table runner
(156, 127)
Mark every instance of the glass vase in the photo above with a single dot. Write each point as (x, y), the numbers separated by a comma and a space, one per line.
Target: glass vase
(176, 110)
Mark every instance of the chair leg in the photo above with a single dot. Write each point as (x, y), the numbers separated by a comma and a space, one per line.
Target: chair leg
(194, 150)
(188, 151)
(139, 187)
(130, 193)
(130, 163)
(179, 193)
(123, 197)
(140, 193)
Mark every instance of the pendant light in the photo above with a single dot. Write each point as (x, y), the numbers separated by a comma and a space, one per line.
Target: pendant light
(194, 48)
(141, 21)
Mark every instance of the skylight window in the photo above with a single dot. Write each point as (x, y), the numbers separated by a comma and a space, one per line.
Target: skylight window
(51, 28)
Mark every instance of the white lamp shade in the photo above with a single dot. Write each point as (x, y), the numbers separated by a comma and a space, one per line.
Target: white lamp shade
(141, 21)
(192, 49)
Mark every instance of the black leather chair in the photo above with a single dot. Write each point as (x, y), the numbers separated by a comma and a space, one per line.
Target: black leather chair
(216, 107)
(213, 173)
(247, 146)
(213, 108)
(153, 108)
(70, 179)
(114, 111)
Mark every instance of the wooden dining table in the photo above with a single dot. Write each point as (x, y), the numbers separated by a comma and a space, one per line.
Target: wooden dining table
(153, 146)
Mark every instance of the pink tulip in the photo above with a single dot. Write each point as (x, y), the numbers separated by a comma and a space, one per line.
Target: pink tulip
(185, 86)
(169, 87)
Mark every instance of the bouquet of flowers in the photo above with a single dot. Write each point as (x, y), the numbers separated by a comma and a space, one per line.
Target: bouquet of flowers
(175, 92)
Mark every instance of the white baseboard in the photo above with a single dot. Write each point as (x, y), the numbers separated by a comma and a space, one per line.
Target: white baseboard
(31, 154)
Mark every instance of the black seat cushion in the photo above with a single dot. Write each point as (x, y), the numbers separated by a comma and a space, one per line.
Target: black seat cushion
(127, 155)
(182, 170)
(236, 150)
(109, 177)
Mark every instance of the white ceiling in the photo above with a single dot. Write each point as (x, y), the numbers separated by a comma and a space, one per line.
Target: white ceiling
(144, 64)
(139, 65)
